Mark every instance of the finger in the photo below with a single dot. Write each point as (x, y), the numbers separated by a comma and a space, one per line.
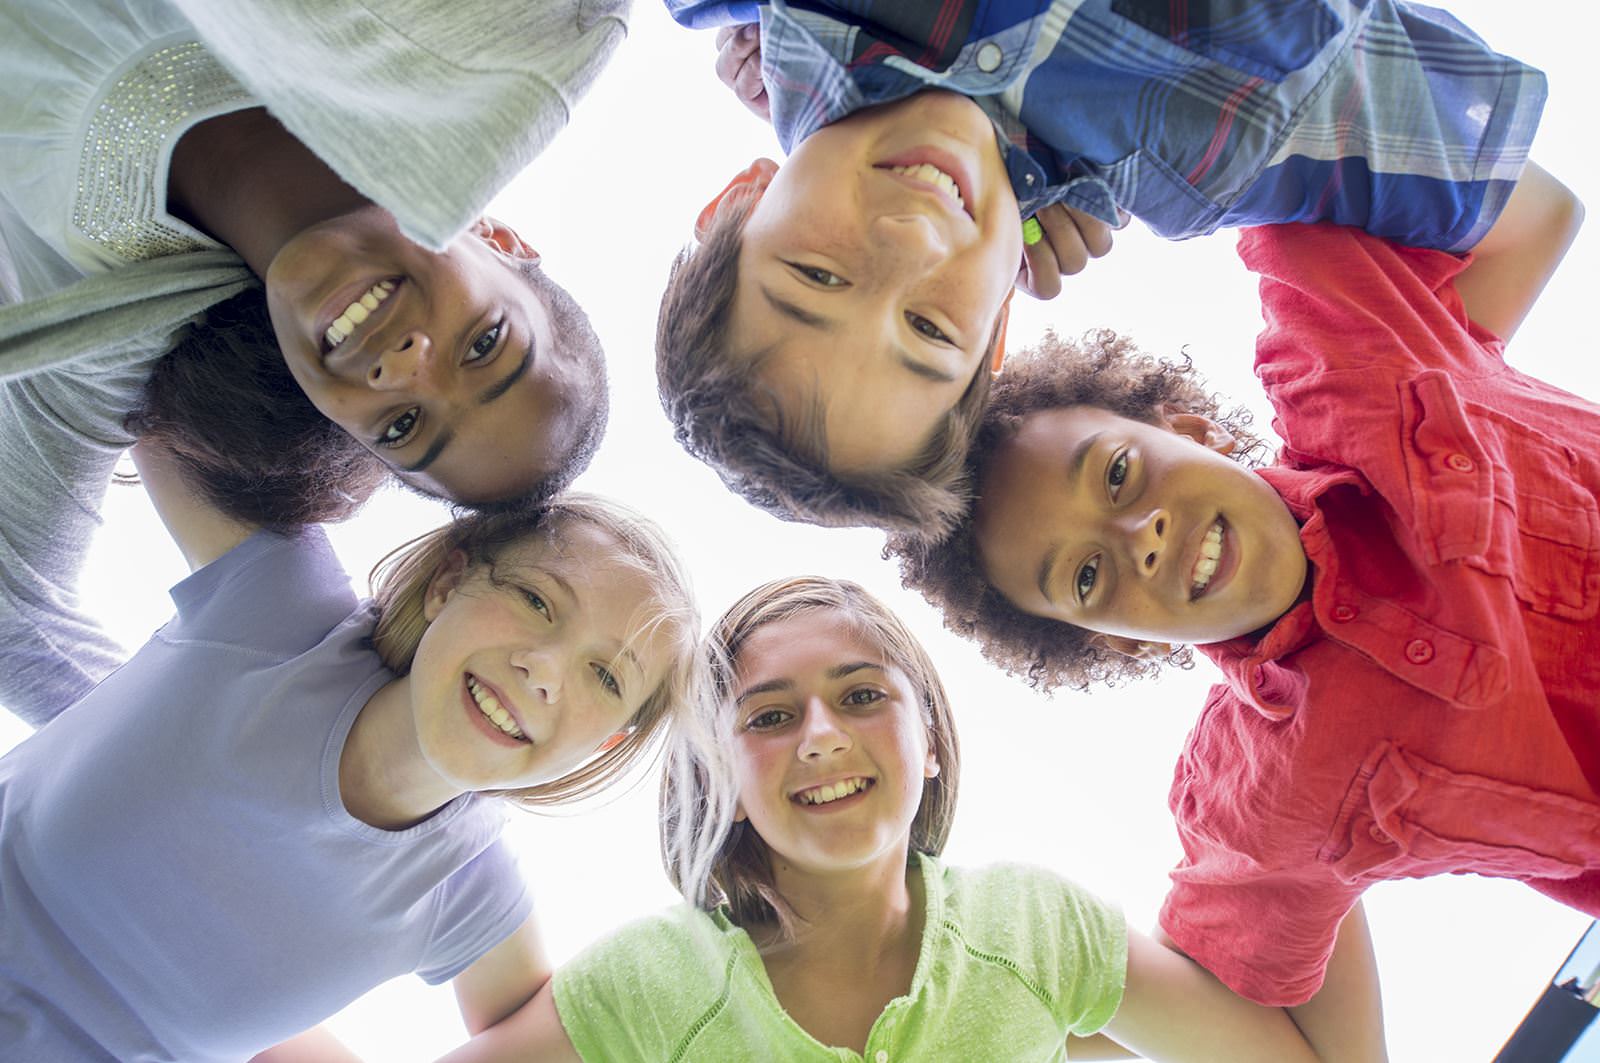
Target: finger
(1061, 233)
(733, 57)
(724, 33)
(1042, 272)
(1096, 234)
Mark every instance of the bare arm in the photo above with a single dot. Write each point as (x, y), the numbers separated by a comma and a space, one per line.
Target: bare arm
(203, 533)
(508, 1003)
(1173, 1009)
(313, 1046)
(1344, 1021)
(1516, 258)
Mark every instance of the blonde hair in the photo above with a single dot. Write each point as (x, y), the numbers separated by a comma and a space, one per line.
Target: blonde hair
(400, 582)
(713, 860)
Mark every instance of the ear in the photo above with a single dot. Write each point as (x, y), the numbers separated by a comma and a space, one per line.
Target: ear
(1138, 649)
(446, 578)
(930, 765)
(613, 740)
(1201, 429)
(997, 357)
(750, 183)
(738, 813)
(503, 238)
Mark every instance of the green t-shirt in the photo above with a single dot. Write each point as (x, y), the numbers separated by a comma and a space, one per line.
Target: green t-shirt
(1013, 959)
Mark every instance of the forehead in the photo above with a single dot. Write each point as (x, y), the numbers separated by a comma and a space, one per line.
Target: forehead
(810, 640)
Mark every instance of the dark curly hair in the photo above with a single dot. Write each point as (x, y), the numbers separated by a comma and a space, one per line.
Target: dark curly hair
(224, 403)
(1101, 369)
(722, 416)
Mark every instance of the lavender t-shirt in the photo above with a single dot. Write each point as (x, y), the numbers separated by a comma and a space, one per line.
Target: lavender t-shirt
(179, 878)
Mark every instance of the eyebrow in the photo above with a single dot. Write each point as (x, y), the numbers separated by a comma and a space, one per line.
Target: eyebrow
(1080, 457)
(492, 392)
(800, 313)
(838, 671)
(926, 372)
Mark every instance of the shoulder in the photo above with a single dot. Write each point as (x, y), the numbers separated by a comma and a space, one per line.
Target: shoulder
(988, 903)
(648, 984)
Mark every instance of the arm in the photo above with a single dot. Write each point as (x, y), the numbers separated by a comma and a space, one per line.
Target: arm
(1516, 258)
(1345, 1018)
(202, 532)
(313, 1046)
(1172, 1009)
(507, 1001)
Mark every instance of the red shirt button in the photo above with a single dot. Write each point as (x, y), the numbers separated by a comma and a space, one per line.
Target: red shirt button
(1344, 613)
(1378, 834)
(1419, 651)
(1460, 463)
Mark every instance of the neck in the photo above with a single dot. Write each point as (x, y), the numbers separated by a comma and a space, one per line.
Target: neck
(248, 182)
(853, 920)
(384, 780)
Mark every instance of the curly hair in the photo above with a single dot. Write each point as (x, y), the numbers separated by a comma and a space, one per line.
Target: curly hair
(1104, 370)
(224, 403)
(723, 417)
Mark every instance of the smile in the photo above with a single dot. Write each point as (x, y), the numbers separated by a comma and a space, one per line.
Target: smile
(1209, 557)
(352, 317)
(830, 792)
(930, 174)
(493, 711)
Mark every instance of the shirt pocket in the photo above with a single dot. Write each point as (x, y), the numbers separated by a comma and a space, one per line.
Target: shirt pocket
(1255, 40)
(1146, 186)
(1489, 492)
(1407, 817)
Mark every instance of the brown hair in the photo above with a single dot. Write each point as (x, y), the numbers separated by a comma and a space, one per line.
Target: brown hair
(723, 417)
(710, 858)
(400, 584)
(224, 403)
(1104, 370)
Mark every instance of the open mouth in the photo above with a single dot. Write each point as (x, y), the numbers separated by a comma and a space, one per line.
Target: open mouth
(1208, 559)
(932, 170)
(493, 711)
(355, 314)
(828, 793)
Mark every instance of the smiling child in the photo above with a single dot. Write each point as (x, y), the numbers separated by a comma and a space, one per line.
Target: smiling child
(1402, 606)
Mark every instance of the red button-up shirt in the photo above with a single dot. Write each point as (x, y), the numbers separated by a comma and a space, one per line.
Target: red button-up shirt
(1432, 706)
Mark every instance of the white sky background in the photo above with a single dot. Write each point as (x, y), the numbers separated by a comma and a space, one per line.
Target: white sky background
(1077, 783)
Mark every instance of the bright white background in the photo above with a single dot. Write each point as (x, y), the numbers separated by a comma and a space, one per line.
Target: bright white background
(1077, 783)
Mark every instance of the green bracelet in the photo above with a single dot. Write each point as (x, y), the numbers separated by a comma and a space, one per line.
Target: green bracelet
(1032, 232)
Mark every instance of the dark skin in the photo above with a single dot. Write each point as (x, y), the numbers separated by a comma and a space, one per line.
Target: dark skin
(247, 181)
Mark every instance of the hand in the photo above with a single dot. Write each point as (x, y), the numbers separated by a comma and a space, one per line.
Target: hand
(1071, 239)
(739, 66)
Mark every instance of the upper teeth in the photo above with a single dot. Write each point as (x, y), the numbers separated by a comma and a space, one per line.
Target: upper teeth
(832, 792)
(1205, 566)
(491, 708)
(933, 176)
(357, 312)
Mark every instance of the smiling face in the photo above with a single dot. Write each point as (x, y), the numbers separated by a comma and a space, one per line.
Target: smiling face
(873, 271)
(444, 365)
(524, 674)
(1142, 531)
(831, 746)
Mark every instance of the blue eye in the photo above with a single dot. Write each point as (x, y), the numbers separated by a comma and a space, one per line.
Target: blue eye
(400, 429)
(608, 679)
(536, 602)
(1087, 575)
(485, 345)
(864, 696)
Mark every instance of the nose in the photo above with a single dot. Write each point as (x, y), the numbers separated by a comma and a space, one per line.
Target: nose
(1147, 541)
(910, 241)
(404, 364)
(541, 674)
(820, 733)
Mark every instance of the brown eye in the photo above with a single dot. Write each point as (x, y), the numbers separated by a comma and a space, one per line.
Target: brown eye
(399, 430)
(1087, 576)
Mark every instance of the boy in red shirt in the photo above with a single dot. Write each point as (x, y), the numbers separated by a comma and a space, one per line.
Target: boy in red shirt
(1403, 606)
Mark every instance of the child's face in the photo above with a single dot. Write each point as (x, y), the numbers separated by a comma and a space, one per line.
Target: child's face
(821, 714)
(454, 379)
(874, 292)
(520, 679)
(1113, 525)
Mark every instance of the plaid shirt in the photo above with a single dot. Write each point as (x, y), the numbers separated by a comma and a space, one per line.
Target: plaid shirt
(1189, 115)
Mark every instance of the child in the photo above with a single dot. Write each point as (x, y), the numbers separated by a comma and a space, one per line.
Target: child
(828, 345)
(274, 805)
(805, 830)
(138, 148)
(1403, 607)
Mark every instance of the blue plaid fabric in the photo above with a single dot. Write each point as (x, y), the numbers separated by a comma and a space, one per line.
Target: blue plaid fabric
(1188, 114)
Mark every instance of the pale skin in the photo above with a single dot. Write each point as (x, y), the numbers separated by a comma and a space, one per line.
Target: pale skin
(392, 773)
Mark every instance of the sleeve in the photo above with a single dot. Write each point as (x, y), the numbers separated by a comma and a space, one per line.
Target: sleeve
(1418, 133)
(709, 14)
(60, 437)
(483, 902)
(645, 992)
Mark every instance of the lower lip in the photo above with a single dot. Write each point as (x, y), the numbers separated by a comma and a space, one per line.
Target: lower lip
(942, 160)
(1227, 564)
(834, 806)
(481, 722)
(340, 301)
